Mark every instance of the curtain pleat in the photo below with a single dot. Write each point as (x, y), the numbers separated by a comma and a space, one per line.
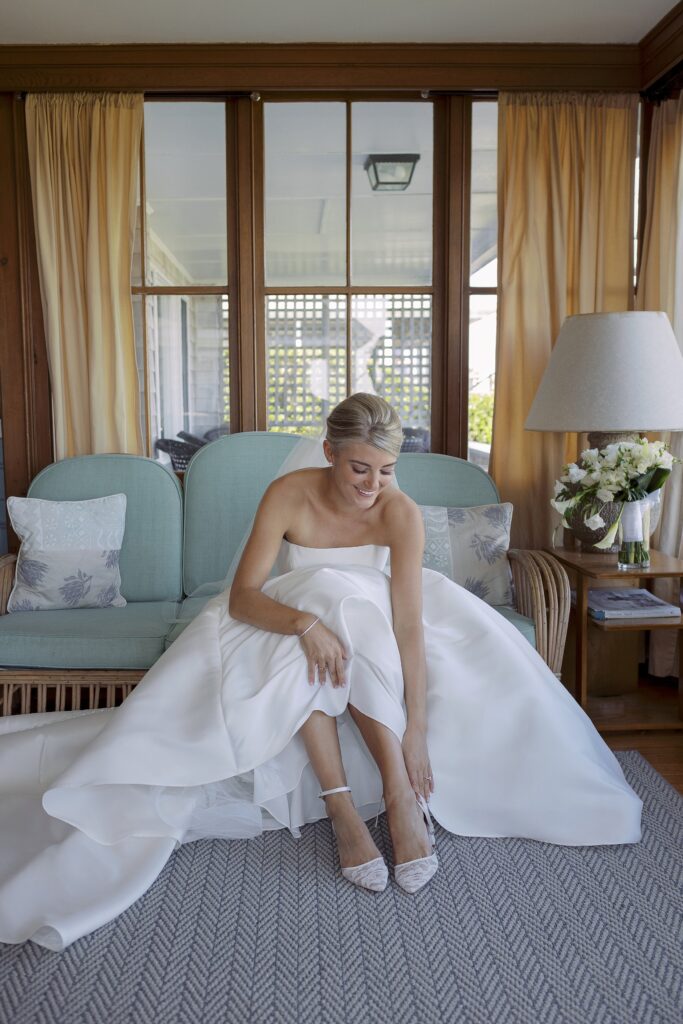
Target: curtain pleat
(565, 194)
(83, 156)
(660, 287)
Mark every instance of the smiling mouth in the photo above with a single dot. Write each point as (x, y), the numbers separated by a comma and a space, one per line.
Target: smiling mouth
(365, 494)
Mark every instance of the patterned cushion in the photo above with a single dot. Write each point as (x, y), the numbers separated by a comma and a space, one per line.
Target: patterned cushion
(69, 555)
(469, 545)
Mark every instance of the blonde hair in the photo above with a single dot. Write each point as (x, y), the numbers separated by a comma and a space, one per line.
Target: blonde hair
(368, 419)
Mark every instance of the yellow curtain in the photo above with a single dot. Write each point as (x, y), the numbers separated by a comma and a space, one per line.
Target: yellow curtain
(565, 192)
(83, 155)
(660, 286)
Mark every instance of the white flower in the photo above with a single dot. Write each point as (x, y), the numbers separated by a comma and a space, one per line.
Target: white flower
(604, 494)
(590, 456)
(576, 473)
(595, 522)
(561, 506)
(666, 460)
(559, 486)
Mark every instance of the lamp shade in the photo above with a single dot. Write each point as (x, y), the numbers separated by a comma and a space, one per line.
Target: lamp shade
(611, 372)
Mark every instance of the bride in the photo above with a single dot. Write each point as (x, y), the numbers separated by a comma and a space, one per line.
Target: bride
(321, 690)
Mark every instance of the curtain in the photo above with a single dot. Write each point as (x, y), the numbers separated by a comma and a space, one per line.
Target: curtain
(565, 194)
(660, 287)
(83, 157)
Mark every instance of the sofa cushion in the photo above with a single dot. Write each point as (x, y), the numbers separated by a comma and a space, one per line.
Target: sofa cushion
(524, 625)
(82, 638)
(69, 555)
(190, 607)
(151, 566)
(470, 545)
(224, 484)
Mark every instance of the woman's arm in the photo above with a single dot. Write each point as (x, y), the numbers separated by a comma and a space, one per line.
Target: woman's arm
(406, 534)
(324, 651)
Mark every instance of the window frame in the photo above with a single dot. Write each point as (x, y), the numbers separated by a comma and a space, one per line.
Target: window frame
(247, 292)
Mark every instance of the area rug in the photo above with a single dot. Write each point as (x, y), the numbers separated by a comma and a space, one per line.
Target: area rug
(266, 931)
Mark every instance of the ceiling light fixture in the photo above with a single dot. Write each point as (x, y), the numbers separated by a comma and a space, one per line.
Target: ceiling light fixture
(391, 172)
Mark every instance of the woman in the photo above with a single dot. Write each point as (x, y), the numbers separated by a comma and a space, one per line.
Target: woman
(282, 699)
(354, 505)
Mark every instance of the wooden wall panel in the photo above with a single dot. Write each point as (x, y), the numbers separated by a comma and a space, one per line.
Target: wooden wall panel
(245, 67)
(662, 48)
(24, 388)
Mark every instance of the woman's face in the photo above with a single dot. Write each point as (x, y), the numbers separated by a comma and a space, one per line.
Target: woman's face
(361, 471)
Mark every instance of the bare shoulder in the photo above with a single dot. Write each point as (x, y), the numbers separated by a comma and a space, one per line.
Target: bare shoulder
(293, 485)
(402, 517)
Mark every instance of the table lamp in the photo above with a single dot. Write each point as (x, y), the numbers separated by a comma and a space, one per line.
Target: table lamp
(611, 375)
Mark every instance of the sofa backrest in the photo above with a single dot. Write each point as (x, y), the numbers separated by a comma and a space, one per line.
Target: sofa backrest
(151, 556)
(227, 478)
(224, 484)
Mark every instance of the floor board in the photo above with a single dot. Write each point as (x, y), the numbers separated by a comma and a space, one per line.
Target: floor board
(664, 751)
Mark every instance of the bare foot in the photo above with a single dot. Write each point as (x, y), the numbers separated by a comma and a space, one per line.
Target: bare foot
(354, 842)
(407, 826)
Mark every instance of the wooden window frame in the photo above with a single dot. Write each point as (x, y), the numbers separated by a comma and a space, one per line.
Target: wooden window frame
(248, 293)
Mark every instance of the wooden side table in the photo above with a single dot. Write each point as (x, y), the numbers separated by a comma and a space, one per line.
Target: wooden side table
(587, 567)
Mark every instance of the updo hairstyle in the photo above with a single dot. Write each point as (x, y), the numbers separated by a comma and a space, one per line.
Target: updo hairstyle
(367, 419)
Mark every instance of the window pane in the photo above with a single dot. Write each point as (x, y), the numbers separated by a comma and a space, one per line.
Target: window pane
(482, 376)
(484, 212)
(306, 345)
(140, 363)
(186, 238)
(305, 193)
(391, 232)
(391, 338)
(187, 353)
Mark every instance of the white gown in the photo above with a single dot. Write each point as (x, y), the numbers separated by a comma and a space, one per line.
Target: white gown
(92, 804)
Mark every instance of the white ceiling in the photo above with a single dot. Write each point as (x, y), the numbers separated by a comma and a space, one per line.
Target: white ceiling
(285, 21)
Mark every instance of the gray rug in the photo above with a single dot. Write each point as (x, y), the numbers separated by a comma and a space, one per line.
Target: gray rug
(508, 931)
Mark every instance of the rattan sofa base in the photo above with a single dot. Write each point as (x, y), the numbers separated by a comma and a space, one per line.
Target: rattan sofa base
(32, 690)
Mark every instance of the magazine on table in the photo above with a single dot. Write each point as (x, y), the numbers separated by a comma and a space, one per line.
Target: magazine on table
(629, 603)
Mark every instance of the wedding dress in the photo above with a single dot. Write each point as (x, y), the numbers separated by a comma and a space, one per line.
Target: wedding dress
(92, 804)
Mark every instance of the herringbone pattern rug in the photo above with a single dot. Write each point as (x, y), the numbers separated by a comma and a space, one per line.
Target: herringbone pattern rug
(266, 931)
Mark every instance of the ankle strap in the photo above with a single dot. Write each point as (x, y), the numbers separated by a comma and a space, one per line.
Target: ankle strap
(339, 789)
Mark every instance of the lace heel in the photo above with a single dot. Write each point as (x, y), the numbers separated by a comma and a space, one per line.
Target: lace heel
(415, 874)
(373, 874)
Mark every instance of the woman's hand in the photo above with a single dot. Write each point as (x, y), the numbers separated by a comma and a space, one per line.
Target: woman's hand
(415, 755)
(324, 652)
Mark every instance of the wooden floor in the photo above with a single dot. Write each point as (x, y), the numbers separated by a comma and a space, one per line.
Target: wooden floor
(664, 751)
(655, 702)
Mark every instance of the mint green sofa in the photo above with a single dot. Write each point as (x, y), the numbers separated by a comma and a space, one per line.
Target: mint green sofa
(175, 544)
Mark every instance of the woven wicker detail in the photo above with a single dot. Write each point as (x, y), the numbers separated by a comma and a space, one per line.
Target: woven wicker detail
(7, 564)
(542, 594)
(33, 690)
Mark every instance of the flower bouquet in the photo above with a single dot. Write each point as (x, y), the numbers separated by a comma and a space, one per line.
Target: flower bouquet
(629, 474)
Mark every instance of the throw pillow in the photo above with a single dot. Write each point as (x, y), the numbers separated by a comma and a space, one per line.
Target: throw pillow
(469, 545)
(69, 555)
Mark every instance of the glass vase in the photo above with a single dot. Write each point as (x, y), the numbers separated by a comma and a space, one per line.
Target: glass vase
(633, 535)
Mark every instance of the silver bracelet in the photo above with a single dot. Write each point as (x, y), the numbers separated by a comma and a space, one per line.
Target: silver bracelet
(308, 627)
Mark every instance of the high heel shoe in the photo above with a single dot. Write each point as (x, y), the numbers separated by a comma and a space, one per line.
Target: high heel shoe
(414, 874)
(371, 875)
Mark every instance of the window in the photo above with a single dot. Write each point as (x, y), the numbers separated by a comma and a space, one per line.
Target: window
(483, 281)
(348, 270)
(260, 233)
(180, 274)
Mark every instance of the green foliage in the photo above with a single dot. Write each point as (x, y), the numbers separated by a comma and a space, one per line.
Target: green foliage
(480, 409)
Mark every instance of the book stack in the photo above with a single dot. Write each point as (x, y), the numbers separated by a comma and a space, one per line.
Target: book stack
(629, 603)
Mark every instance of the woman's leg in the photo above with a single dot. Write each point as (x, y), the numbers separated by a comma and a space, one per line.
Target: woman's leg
(406, 822)
(355, 844)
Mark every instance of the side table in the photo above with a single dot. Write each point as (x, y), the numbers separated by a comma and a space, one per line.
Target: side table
(587, 567)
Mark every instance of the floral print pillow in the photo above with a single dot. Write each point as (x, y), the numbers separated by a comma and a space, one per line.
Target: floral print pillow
(69, 555)
(469, 545)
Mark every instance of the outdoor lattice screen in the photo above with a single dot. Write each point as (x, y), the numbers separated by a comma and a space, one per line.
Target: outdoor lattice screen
(312, 353)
